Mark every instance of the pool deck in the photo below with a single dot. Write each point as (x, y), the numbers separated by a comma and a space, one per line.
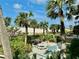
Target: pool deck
(41, 52)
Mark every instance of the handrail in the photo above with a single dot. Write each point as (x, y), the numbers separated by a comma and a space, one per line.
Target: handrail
(2, 56)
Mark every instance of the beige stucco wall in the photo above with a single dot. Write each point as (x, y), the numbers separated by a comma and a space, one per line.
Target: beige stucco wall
(30, 30)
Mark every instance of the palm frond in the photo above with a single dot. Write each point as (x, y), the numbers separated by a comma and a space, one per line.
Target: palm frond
(77, 17)
(33, 23)
(30, 14)
(69, 16)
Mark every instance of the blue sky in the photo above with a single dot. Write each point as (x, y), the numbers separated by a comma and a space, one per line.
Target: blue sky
(11, 8)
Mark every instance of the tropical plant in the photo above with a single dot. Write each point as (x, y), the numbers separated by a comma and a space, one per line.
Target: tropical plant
(56, 8)
(34, 56)
(55, 27)
(19, 49)
(77, 11)
(12, 31)
(53, 55)
(34, 25)
(74, 49)
(70, 26)
(75, 22)
(44, 26)
(23, 20)
(7, 21)
(48, 37)
(76, 29)
(47, 57)
(51, 38)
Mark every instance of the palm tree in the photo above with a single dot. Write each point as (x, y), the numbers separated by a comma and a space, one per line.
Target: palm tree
(55, 27)
(41, 25)
(56, 8)
(44, 25)
(7, 21)
(33, 24)
(23, 20)
(77, 12)
(70, 26)
(78, 22)
(75, 22)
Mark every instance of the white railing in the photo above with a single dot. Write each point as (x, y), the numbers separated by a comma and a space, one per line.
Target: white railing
(2, 56)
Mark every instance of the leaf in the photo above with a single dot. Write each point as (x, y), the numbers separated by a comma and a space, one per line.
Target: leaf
(77, 17)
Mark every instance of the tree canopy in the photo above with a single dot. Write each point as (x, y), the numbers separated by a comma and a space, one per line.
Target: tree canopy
(7, 21)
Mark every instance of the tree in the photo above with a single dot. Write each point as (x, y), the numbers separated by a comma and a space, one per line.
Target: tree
(7, 21)
(75, 22)
(55, 27)
(78, 22)
(76, 30)
(70, 26)
(44, 25)
(55, 9)
(74, 49)
(33, 24)
(23, 20)
(76, 12)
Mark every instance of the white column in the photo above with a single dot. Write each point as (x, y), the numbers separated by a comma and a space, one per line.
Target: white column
(5, 40)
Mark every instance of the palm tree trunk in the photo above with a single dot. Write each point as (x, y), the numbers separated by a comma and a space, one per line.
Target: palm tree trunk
(62, 26)
(43, 31)
(26, 34)
(46, 30)
(34, 31)
(62, 18)
(57, 30)
(5, 40)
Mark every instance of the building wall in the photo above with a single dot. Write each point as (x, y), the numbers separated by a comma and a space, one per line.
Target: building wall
(30, 30)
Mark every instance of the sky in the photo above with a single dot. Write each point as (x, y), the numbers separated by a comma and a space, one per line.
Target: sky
(11, 8)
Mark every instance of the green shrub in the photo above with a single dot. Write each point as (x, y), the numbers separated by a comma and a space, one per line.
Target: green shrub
(74, 48)
(19, 49)
(42, 37)
(76, 29)
(50, 38)
(33, 36)
(53, 55)
(34, 56)
(47, 57)
(58, 39)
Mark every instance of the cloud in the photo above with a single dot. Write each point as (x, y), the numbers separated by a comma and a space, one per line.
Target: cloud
(38, 1)
(17, 6)
(41, 1)
(77, 2)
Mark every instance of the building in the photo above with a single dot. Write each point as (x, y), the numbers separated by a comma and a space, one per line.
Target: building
(30, 30)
